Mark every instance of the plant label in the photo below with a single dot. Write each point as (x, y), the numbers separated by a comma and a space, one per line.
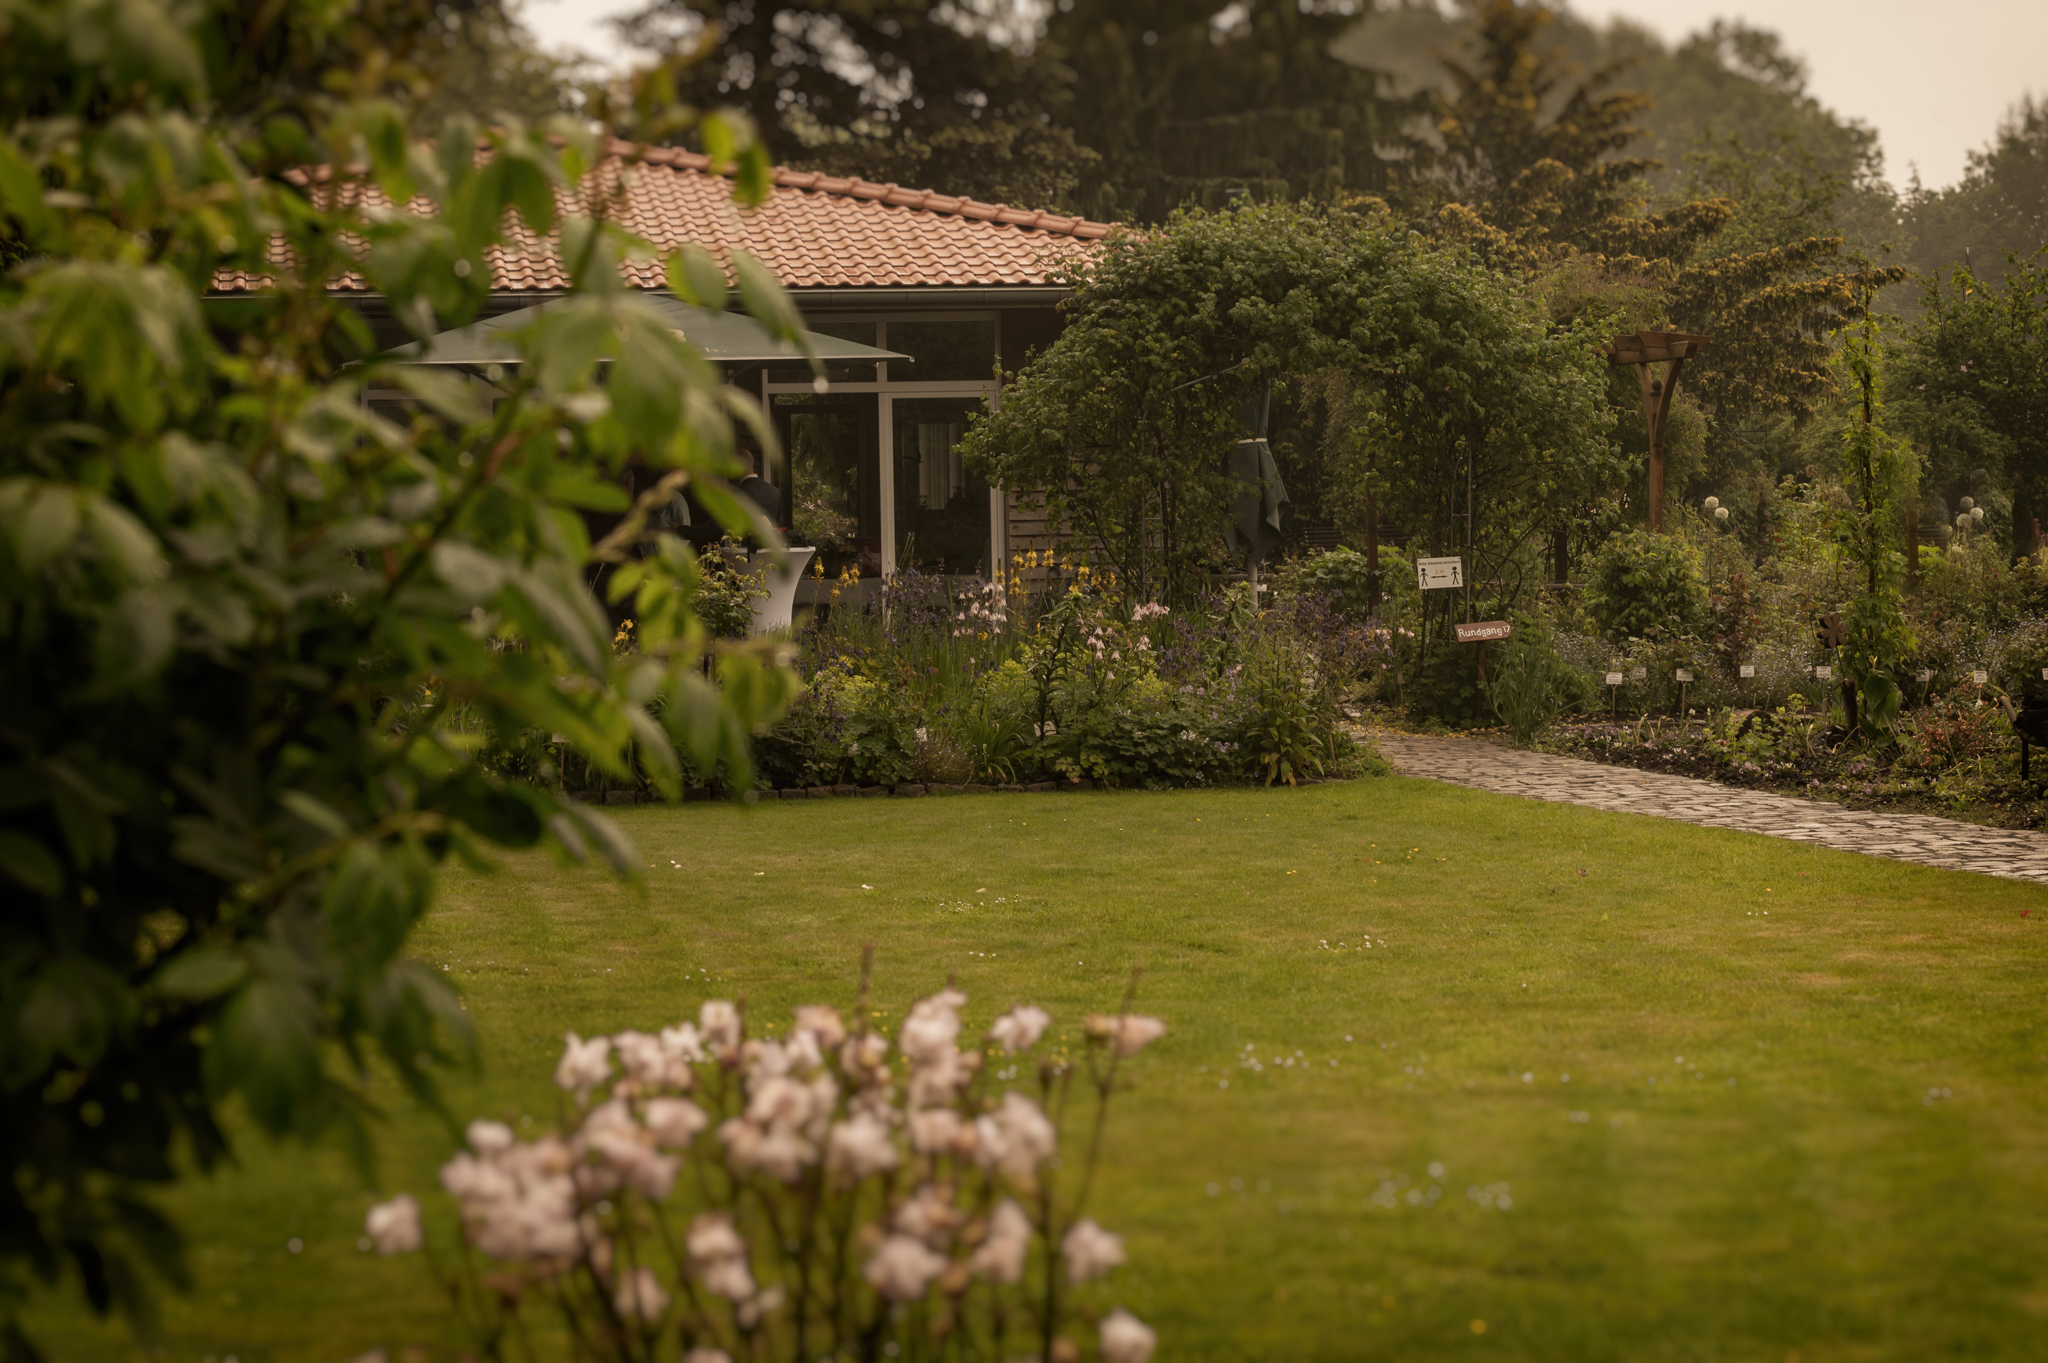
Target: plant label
(1638, 673)
(1823, 674)
(1927, 674)
(1748, 670)
(1481, 630)
(1432, 573)
(1683, 675)
(1614, 679)
(1980, 676)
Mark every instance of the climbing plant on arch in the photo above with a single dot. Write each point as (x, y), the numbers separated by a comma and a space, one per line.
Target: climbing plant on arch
(1473, 419)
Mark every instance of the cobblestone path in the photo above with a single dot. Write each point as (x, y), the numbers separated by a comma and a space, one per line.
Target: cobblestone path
(2013, 854)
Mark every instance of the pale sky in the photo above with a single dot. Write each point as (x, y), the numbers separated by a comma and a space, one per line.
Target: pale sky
(1932, 76)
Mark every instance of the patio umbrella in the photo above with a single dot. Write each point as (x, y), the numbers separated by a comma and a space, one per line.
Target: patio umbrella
(723, 337)
(1261, 501)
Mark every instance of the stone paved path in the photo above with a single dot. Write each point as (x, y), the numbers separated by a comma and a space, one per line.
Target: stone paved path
(2013, 854)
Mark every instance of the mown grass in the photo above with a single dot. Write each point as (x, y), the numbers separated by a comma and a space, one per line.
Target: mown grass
(1791, 1189)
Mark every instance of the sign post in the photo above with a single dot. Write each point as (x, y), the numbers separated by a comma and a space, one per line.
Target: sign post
(1434, 573)
(1478, 632)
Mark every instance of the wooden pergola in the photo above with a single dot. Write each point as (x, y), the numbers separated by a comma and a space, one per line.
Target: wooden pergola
(1645, 349)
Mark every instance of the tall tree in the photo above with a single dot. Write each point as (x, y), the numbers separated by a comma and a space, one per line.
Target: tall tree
(895, 90)
(1972, 381)
(488, 65)
(1191, 104)
(1551, 192)
(1540, 180)
(2000, 205)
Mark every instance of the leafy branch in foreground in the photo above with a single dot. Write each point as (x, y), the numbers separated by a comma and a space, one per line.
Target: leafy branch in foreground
(241, 612)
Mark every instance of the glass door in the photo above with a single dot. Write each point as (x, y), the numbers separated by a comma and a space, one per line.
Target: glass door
(942, 507)
(833, 444)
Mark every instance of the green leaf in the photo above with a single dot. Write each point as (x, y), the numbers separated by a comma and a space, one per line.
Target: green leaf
(446, 395)
(125, 541)
(21, 192)
(695, 277)
(266, 1047)
(764, 297)
(75, 1006)
(611, 842)
(199, 973)
(474, 575)
(504, 816)
(28, 863)
(45, 526)
(316, 812)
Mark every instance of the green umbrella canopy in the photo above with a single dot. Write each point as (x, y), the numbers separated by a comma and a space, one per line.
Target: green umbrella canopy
(722, 337)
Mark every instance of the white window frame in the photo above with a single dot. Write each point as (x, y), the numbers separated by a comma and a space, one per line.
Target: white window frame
(886, 390)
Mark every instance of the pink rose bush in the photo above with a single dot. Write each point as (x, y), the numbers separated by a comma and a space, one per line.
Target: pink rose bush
(711, 1194)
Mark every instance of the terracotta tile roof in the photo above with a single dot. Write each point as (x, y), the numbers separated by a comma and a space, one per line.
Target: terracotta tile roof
(813, 230)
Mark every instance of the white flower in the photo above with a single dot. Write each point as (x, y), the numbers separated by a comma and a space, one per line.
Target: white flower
(929, 1215)
(728, 1278)
(783, 1154)
(711, 1236)
(674, 1122)
(394, 1226)
(1090, 1251)
(719, 1257)
(821, 1022)
(903, 1268)
(1001, 1257)
(1015, 1137)
(1020, 1028)
(780, 1151)
(489, 1138)
(719, 1022)
(641, 1296)
(932, 1026)
(1130, 1032)
(804, 1052)
(645, 1058)
(938, 1081)
(683, 1043)
(584, 1065)
(934, 1129)
(861, 1147)
(863, 1055)
(765, 1060)
(627, 1150)
(779, 1100)
(1126, 1339)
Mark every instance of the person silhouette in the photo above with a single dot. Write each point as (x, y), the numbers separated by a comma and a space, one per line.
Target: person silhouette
(759, 490)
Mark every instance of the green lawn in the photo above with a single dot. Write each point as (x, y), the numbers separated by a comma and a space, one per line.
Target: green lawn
(1788, 1190)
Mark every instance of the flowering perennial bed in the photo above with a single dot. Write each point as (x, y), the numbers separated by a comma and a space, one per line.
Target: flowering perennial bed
(762, 1198)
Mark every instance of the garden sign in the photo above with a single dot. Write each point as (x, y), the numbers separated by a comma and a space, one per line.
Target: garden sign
(1439, 572)
(1478, 632)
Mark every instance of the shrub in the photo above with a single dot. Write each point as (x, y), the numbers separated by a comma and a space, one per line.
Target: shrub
(1341, 575)
(253, 635)
(1639, 584)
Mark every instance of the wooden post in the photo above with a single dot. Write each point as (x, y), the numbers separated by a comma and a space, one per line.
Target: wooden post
(1479, 688)
(1643, 349)
(1372, 549)
(1913, 550)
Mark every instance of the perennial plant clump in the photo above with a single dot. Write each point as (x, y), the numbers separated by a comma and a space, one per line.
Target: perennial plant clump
(725, 1195)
